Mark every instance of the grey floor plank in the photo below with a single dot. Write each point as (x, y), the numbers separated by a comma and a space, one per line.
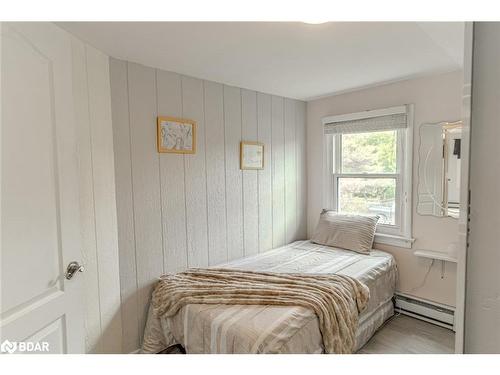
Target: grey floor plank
(406, 335)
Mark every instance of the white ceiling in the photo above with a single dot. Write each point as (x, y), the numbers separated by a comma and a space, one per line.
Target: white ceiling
(290, 59)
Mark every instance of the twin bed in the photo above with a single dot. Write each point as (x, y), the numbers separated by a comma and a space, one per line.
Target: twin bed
(220, 328)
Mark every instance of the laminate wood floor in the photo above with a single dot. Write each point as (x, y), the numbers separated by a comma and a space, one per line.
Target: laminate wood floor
(405, 335)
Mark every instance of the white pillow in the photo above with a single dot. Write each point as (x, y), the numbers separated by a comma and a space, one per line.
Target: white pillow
(351, 232)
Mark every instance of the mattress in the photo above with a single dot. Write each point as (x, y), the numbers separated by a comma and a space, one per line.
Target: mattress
(277, 329)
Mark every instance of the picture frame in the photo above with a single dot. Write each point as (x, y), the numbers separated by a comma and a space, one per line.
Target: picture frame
(251, 155)
(176, 135)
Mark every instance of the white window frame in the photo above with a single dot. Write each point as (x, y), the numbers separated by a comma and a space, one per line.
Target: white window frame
(401, 233)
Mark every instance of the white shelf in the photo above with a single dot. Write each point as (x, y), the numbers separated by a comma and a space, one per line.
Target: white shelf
(438, 255)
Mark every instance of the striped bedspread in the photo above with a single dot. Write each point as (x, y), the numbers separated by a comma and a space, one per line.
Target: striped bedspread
(208, 328)
(337, 300)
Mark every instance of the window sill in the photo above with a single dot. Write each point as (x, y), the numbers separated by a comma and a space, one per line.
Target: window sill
(389, 239)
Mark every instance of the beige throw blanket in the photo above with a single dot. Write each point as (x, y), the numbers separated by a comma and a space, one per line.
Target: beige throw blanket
(337, 300)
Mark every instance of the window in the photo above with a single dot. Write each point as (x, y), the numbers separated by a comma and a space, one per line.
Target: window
(368, 169)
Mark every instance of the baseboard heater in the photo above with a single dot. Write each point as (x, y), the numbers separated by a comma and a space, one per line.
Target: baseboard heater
(431, 312)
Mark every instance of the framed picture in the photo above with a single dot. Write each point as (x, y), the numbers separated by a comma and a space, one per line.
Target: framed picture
(176, 135)
(251, 155)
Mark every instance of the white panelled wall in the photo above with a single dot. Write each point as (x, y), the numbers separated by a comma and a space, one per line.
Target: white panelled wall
(92, 101)
(177, 211)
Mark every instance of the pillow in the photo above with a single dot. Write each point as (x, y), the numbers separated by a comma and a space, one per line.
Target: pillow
(351, 232)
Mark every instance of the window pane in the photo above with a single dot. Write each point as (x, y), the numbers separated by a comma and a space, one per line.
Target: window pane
(369, 152)
(368, 196)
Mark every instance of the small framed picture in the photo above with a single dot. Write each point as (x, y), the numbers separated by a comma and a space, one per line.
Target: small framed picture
(251, 155)
(176, 135)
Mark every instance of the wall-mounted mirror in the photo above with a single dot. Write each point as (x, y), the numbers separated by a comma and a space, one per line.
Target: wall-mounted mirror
(439, 169)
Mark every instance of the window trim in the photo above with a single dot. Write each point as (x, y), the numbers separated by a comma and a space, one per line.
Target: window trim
(401, 235)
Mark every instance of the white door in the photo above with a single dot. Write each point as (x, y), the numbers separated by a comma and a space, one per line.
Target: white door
(39, 193)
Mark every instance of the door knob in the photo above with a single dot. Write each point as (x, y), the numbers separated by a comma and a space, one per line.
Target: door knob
(73, 267)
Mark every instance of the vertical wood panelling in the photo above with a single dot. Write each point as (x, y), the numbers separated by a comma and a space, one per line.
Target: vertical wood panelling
(173, 199)
(145, 183)
(265, 176)
(250, 184)
(234, 200)
(216, 179)
(124, 205)
(300, 122)
(98, 211)
(195, 176)
(105, 199)
(178, 211)
(86, 195)
(278, 171)
(290, 173)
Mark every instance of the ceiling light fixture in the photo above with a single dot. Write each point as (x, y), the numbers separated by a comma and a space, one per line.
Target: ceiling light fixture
(315, 21)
